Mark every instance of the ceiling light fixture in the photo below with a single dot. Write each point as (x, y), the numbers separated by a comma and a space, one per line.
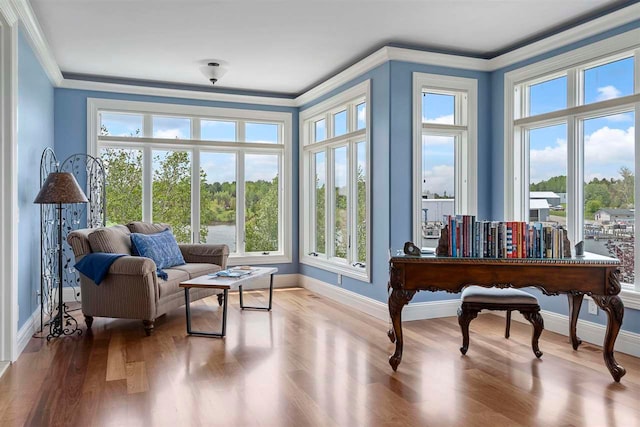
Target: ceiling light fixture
(214, 71)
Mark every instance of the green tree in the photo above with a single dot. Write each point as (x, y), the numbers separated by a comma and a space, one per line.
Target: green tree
(123, 186)
(557, 184)
(361, 226)
(321, 233)
(261, 217)
(172, 193)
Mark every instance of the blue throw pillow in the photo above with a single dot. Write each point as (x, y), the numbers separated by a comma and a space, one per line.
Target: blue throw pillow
(161, 247)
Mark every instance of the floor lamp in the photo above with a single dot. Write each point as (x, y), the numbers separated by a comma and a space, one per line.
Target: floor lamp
(59, 189)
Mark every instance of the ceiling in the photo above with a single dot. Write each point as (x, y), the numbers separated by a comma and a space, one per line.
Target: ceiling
(283, 46)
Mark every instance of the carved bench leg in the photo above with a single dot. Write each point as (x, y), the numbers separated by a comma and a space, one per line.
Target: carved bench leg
(220, 299)
(148, 326)
(535, 318)
(88, 320)
(465, 316)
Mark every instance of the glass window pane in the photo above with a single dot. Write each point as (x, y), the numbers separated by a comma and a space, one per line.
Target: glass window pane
(118, 124)
(548, 174)
(340, 123)
(123, 187)
(320, 130)
(361, 111)
(548, 96)
(341, 235)
(215, 130)
(320, 192)
(218, 199)
(438, 108)
(261, 132)
(609, 174)
(438, 184)
(171, 191)
(608, 81)
(262, 202)
(171, 127)
(361, 214)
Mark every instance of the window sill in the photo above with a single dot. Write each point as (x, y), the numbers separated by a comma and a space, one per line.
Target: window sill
(258, 259)
(361, 274)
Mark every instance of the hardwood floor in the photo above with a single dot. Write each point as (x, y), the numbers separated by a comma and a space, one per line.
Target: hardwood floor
(312, 361)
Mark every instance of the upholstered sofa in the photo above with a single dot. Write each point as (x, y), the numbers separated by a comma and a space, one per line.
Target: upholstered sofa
(131, 288)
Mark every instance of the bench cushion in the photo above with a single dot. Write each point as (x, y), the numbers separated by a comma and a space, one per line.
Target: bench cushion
(479, 294)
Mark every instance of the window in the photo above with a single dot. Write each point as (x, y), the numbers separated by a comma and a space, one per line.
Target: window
(334, 209)
(444, 152)
(571, 149)
(215, 175)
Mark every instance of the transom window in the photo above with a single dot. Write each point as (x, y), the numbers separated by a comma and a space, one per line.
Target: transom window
(215, 175)
(335, 191)
(444, 152)
(571, 144)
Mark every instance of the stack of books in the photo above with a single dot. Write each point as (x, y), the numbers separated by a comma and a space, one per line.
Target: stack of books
(468, 238)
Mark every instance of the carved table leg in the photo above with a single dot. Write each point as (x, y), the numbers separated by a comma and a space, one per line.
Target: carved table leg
(575, 301)
(612, 304)
(536, 320)
(397, 300)
(465, 316)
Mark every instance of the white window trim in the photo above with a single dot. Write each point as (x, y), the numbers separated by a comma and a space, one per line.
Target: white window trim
(309, 116)
(96, 105)
(515, 156)
(466, 156)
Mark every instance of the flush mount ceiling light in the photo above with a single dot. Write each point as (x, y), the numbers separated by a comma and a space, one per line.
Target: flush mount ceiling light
(214, 71)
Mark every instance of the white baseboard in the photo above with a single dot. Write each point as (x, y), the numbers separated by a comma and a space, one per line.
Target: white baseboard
(27, 330)
(627, 342)
(4, 365)
(377, 309)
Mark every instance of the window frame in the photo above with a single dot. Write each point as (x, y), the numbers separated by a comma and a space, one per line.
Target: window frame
(148, 144)
(349, 100)
(516, 119)
(465, 132)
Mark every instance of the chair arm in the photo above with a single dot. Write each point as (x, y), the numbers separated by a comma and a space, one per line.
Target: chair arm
(132, 266)
(207, 253)
(129, 290)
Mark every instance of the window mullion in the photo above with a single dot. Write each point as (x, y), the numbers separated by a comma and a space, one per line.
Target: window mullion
(330, 205)
(147, 184)
(575, 179)
(352, 201)
(637, 168)
(575, 83)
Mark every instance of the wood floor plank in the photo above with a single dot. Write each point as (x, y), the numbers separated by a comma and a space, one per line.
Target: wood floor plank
(312, 362)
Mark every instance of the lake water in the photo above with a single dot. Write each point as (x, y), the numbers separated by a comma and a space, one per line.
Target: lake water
(223, 234)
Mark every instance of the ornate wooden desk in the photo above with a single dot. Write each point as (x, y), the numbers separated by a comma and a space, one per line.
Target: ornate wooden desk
(592, 275)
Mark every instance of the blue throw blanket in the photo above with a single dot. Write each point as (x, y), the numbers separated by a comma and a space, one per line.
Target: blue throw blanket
(96, 265)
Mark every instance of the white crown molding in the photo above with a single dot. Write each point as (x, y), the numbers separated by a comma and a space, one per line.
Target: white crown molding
(564, 38)
(175, 93)
(8, 12)
(441, 59)
(38, 41)
(377, 58)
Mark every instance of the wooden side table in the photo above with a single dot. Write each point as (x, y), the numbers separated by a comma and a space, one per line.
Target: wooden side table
(226, 284)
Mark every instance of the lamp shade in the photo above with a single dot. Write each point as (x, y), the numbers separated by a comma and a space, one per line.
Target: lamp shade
(60, 188)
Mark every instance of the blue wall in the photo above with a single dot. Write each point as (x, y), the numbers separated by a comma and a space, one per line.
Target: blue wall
(554, 304)
(71, 136)
(35, 133)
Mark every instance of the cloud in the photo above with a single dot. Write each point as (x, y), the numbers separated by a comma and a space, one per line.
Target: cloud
(431, 140)
(622, 117)
(439, 179)
(607, 150)
(362, 114)
(608, 92)
(445, 120)
(548, 161)
(168, 133)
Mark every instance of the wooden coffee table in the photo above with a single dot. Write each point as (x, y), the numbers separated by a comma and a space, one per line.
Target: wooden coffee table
(226, 284)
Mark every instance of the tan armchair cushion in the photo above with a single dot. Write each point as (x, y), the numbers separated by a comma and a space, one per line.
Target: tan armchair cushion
(113, 240)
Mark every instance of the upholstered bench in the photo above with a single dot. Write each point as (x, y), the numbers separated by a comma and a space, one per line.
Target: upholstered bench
(478, 298)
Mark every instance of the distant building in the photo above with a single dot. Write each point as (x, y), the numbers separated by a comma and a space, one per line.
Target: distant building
(610, 215)
(552, 198)
(435, 209)
(538, 210)
(563, 197)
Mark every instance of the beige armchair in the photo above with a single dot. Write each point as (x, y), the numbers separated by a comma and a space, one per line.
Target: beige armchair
(131, 288)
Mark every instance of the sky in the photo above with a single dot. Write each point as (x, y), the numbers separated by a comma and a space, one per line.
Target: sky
(609, 140)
